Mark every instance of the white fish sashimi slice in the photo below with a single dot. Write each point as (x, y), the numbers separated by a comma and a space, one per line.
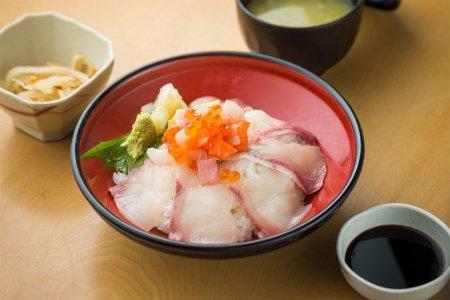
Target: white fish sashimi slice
(289, 149)
(232, 112)
(204, 214)
(305, 161)
(260, 122)
(290, 134)
(271, 200)
(241, 103)
(264, 126)
(272, 164)
(196, 103)
(146, 196)
(160, 156)
(142, 195)
(118, 177)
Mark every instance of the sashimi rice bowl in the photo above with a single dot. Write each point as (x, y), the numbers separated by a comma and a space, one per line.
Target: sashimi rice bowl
(208, 171)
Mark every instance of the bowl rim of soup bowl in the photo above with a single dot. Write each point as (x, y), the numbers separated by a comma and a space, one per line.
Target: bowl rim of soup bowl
(291, 235)
(248, 13)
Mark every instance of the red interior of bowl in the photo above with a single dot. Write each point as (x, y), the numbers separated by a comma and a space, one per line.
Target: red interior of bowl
(280, 91)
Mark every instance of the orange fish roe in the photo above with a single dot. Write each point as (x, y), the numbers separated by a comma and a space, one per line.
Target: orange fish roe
(207, 133)
(229, 175)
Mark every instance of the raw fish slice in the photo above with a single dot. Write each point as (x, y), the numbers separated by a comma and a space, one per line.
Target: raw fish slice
(207, 169)
(290, 134)
(142, 195)
(160, 156)
(272, 164)
(232, 112)
(241, 104)
(146, 196)
(271, 199)
(304, 160)
(200, 101)
(204, 214)
(264, 126)
(290, 149)
(260, 122)
(118, 177)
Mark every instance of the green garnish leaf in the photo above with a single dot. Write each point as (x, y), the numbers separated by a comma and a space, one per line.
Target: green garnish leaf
(106, 149)
(115, 155)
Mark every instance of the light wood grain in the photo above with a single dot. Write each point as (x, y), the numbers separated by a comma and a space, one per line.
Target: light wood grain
(396, 77)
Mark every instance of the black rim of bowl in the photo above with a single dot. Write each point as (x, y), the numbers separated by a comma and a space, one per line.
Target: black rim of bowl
(244, 8)
(291, 234)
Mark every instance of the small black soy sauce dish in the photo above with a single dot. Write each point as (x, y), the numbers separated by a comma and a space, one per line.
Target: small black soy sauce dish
(395, 256)
(315, 48)
(395, 251)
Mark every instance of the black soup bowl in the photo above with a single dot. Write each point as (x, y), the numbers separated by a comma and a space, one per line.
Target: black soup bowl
(316, 48)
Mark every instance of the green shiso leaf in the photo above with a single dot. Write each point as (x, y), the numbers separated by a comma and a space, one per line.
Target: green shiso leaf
(106, 149)
(115, 155)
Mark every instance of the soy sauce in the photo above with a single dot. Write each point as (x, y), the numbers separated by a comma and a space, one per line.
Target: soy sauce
(395, 257)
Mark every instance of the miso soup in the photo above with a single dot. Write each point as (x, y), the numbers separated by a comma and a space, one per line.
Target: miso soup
(299, 13)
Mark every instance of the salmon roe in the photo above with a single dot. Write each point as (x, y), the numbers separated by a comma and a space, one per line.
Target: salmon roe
(207, 133)
(229, 175)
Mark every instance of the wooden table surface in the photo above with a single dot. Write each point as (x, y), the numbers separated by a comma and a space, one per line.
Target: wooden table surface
(396, 77)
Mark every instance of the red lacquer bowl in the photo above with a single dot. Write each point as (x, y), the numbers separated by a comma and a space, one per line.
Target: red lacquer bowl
(282, 89)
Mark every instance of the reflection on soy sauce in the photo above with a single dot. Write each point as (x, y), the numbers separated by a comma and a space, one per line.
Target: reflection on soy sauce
(395, 256)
